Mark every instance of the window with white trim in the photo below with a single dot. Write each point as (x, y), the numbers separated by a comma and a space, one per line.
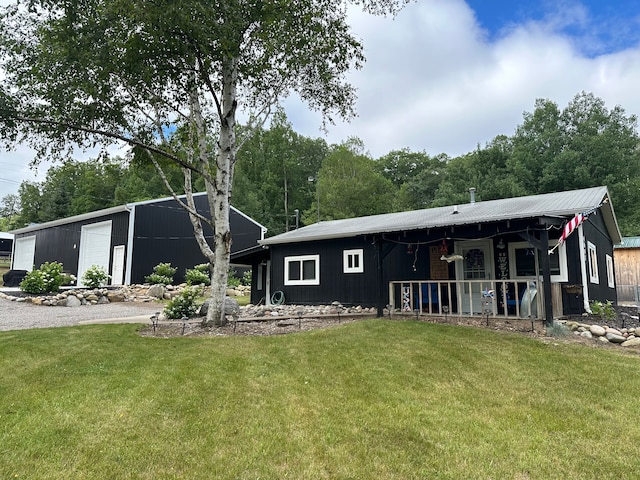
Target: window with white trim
(302, 270)
(352, 261)
(522, 263)
(592, 258)
(611, 280)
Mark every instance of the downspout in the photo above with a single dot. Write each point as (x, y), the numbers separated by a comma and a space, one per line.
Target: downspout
(129, 261)
(583, 271)
(267, 297)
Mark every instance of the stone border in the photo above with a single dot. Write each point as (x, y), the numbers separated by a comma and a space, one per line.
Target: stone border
(625, 337)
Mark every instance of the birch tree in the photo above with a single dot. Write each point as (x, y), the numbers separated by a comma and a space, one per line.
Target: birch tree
(85, 72)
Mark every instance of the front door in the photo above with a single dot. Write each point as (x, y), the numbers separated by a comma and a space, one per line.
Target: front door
(476, 265)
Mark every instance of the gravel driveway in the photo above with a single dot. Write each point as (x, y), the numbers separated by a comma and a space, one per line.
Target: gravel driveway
(20, 315)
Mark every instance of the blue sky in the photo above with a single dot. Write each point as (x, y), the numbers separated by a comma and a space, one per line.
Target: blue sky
(595, 27)
(445, 76)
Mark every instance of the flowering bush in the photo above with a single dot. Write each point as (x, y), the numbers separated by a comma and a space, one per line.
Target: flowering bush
(184, 305)
(96, 276)
(162, 274)
(48, 278)
(198, 275)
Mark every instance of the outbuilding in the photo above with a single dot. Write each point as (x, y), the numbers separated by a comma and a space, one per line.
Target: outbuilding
(627, 259)
(128, 240)
(6, 245)
(540, 256)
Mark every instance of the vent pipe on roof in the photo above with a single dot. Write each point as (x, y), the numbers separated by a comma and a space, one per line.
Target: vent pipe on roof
(472, 192)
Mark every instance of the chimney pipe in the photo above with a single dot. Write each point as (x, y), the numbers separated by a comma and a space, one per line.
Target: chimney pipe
(472, 192)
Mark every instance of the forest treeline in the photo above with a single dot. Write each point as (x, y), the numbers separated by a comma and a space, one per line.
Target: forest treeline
(279, 172)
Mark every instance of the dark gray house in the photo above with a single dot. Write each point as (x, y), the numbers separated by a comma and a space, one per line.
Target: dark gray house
(128, 240)
(498, 257)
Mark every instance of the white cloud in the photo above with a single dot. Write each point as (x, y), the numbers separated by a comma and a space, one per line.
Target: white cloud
(435, 81)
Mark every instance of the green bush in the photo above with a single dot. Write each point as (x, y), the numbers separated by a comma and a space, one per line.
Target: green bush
(246, 278)
(48, 278)
(184, 305)
(232, 280)
(606, 311)
(96, 276)
(162, 274)
(198, 275)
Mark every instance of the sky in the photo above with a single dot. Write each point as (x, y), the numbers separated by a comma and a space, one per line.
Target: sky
(447, 76)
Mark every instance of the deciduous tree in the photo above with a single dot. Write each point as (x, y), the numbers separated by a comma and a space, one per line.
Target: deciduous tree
(80, 72)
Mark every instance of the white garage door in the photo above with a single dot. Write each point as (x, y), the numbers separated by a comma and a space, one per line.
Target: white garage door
(95, 243)
(24, 253)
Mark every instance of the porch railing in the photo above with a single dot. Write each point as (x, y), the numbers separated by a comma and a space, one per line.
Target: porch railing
(495, 298)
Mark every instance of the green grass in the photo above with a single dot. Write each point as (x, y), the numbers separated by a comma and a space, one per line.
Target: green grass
(375, 399)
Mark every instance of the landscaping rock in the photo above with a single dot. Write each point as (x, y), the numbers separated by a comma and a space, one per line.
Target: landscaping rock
(631, 342)
(117, 296)
(597, 330)
(73, 301)
(231, 306)
(615, 338)
(156, 291)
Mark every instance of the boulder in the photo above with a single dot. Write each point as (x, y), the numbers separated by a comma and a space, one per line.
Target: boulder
(597, 330)
(231, 307)
(156, 291)
(615, 338)
(631, 342)
(116, 296)
(73, 301)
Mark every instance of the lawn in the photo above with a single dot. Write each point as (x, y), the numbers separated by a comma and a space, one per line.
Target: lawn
(376, 399)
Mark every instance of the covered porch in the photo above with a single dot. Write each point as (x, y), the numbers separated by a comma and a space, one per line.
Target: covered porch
(508, 299)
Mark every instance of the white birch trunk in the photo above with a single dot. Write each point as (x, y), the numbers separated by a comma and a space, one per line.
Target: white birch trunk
(219, 195)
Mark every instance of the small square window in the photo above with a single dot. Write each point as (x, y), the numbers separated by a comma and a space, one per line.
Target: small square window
(593, 263)
(352, 261)
(302, 270)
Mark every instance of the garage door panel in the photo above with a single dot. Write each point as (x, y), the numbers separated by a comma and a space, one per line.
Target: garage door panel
(24, 253)
(95, 246)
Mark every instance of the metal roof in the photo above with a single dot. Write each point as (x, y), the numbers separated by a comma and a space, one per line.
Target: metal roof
(112, 210)
(629, 242)
(561, 205)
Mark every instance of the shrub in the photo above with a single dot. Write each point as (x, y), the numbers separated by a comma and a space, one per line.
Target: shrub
(184, 305)
(162, 274)
(246, 278)
(48, 278)
(198, 275)
(232, 280)
(96, 276)
(606, 311)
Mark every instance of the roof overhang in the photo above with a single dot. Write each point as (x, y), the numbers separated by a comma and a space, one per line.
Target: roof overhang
(76, 218)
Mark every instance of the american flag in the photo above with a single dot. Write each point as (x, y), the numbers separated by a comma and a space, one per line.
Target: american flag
(571, 226)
